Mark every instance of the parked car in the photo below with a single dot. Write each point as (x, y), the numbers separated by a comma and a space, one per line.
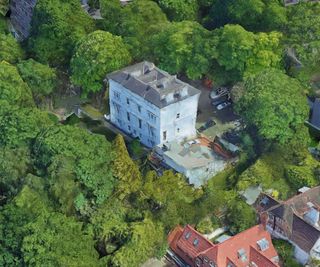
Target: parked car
(223, 105)
(222, 91)
(219, 101)
(207, 125)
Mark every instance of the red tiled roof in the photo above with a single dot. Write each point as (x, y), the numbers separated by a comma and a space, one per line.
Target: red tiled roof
(226, 251)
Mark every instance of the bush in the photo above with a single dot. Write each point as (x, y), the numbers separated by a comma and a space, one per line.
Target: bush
(285, 251)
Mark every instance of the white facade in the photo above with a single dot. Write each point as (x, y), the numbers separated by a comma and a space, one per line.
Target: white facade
(151, 123)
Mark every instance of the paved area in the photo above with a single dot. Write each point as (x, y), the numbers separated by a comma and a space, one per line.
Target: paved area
(158, 263)
(224, 118)
(216, 233)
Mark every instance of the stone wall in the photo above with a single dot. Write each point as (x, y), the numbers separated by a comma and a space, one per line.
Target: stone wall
(21, 15)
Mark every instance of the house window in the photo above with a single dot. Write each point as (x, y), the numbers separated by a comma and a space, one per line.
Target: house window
(178, 130)
(116, 107)
(198, 262)
(140, 123)
(151, 116)
(116, 95)
(139, 109)
(205, 259)
(128, 101)
(178, 115)
(134, 132)
(164, 134)
(151, 130)
(129, 128)
(187, 235)
(128, 116)
(196, 242)
(211, 264)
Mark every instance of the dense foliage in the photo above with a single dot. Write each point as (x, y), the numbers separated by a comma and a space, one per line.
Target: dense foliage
(56, 28)
(69, 197)
(96, 55)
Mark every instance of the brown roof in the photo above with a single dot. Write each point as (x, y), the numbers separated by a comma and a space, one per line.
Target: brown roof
(228, 251)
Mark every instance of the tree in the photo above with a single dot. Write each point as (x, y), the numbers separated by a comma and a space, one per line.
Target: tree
(111, 11)
(303, 30)
(180, 10)
(53, 239)
(246, 11)
(41, 79)
(254, 15)
(92, 157)
(56, 28)
(12, 88)
(124, 169)
(183, 47)
(14, 165)
(265, 105)
(95, 56)
(241, 52)
(19, 126)
(10, 49)
(240, 216)
(146, 237)
(138, 21)
(170, 198)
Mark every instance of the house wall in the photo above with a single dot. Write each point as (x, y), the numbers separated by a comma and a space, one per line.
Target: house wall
(315, 251)
(300, 255)
(178, 120)
(147, 121)
(123, 102)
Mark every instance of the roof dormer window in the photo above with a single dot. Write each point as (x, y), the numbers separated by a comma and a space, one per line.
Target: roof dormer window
(242, 255)
(196, 242)
(187, 235)
(263, 244)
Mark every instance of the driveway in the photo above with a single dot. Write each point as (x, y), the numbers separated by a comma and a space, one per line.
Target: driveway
(224, 118)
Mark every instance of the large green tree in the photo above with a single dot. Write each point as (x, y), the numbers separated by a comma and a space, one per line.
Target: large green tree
(96, 55)
(241, 52)
(183, 47)
(10, 49)
(124, 169)
(180, 10)
(19, 126)
(275, 104)
(92, 157)
(254, 15)
(13, 89)
(53, 239)
(240, 216)
(56, 28)
(303, 30)
(140, 20)
(145, 238)
(41, 79)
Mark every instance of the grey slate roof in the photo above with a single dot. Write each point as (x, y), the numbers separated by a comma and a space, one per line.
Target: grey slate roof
(154, 85)
(315, 114)
(292, 211)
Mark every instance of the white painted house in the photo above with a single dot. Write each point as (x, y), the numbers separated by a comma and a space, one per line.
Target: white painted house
(152, 105)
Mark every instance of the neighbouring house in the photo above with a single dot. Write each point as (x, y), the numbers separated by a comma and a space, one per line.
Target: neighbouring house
(295, 220)
(252, 247)
(314, 118)
(152, 105)
(21, 16)
(294, 2)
